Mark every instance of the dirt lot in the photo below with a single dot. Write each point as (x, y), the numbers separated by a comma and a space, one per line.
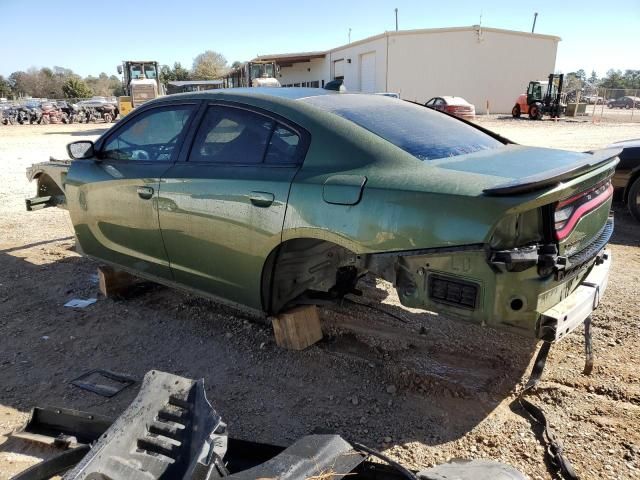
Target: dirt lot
(424, 390)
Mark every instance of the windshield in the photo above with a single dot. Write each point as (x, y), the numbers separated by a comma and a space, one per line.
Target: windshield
(150, 71)
(423, 132)
(262, 70)
(135, 71)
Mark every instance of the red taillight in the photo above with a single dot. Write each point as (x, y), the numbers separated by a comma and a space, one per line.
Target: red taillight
(569, 211)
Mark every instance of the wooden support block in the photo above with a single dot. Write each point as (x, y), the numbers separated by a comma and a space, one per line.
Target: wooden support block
(298, 328)
(114, 282)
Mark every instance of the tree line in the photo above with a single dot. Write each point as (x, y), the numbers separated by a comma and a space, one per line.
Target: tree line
(613, 79)
(60, 82)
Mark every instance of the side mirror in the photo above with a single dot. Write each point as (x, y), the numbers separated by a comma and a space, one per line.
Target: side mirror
(120, 69)
(81, 149)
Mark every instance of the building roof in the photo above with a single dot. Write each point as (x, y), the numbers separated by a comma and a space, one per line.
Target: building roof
(287, 59)
(184, 83)
(299, 57)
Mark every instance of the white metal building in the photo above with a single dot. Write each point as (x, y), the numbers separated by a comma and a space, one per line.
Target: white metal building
(478, 63)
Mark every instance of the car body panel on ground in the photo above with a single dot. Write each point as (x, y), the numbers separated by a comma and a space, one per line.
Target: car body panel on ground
(266, 198)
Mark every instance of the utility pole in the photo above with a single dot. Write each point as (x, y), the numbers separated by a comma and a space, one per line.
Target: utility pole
(349, 34)
(396, 19)
(535, 17)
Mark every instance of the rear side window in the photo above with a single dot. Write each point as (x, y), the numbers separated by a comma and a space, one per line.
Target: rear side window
(230, 135)
(283, 146)
(420, 131)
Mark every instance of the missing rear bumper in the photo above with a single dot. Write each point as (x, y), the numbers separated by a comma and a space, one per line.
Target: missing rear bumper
(560, 320)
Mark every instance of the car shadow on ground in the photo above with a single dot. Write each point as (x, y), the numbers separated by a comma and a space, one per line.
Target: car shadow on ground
(428, 379)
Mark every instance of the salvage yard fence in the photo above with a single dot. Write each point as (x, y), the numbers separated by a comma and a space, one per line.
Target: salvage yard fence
(614, 105)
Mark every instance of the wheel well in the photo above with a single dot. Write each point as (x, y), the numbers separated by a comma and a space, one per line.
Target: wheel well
(47, 186)
(304, 265)
(634, 177)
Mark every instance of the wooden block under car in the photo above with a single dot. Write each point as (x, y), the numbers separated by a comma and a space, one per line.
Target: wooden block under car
(114, 282)
(298, 328)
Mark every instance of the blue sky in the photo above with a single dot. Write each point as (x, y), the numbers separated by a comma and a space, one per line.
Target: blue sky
(95, 36)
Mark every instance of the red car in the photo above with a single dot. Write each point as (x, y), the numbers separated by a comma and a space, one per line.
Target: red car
(457, 106)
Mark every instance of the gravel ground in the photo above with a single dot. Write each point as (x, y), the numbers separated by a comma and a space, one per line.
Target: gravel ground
(424, 390)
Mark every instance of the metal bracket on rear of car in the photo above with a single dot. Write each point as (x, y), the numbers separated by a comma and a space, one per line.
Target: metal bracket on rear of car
(560, 320)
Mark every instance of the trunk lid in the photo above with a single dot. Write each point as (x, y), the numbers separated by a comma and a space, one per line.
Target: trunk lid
(572, 190)
(516, 169)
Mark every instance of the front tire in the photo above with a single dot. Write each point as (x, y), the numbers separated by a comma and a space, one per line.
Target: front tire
(534, 112)
(633, 200)
(516, 111)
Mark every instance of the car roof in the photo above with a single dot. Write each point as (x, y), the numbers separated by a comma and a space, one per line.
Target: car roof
(455, 100)
(290, 93)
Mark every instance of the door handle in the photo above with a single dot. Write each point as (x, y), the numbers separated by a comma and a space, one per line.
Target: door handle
(145, 192)
(261, 199)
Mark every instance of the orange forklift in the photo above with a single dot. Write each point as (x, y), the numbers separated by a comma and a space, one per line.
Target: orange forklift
(536, 103)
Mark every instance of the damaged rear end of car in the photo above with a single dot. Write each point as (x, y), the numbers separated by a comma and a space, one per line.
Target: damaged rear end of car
(543, 266)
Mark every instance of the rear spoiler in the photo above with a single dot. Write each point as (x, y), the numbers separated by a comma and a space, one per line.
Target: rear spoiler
(553, 178)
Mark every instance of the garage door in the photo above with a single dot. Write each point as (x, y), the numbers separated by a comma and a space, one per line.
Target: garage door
(368, 72)
(338, 69)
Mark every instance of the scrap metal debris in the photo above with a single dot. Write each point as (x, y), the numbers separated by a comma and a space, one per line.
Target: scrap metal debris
(103, 382)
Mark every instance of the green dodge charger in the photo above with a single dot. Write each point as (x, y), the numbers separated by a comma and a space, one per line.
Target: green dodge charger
(266, 198)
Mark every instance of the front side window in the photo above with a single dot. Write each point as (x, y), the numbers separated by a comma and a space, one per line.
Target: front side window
(232, 136)
(152, 136)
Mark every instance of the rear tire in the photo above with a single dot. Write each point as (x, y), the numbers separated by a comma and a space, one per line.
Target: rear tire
(534, 112)
(107, 118)
(516, 111)
(633, 200)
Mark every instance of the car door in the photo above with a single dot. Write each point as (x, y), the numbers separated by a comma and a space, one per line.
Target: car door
(113, 196)
(222, 209)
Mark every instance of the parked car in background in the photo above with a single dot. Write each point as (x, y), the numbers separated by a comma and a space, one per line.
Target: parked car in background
(624, 102)
(269, 198)
(594, 99)
(457, 106)
(626, 180)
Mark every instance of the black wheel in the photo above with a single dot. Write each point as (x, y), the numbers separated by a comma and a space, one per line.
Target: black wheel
(610, 105)
(516, 111)
(627, 106)
(107, 118)
(46, 120)
(534, 112)
(633, 200)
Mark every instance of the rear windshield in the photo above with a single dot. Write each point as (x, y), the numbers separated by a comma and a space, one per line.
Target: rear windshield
(420, 131)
